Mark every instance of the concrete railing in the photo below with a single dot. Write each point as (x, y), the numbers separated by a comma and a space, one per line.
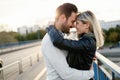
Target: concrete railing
(16, 68)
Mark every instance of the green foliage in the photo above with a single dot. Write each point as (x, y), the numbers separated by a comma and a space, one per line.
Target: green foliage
(20, 37)
(5, 37)
(13, 33)
(32, 36)
(112, 35)
(8, 37)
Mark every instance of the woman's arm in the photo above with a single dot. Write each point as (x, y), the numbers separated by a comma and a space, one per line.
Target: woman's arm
(60, 42)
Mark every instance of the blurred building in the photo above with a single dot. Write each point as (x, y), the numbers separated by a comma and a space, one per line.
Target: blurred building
(109, 24)
(35, 28)
(22, 30)
(25, 30)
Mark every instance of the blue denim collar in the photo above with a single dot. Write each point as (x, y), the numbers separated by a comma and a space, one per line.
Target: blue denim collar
(60, 32)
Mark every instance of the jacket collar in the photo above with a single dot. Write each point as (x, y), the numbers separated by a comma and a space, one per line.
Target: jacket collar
(60, 32)
(90, 34)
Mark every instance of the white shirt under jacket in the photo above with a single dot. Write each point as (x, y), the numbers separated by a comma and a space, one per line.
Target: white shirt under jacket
(57, 66)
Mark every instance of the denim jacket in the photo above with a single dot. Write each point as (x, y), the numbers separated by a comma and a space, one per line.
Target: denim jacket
(81, 52)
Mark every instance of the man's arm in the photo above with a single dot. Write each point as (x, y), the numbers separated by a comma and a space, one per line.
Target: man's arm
(57, 59)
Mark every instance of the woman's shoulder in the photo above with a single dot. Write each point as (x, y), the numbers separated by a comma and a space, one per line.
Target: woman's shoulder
(89, 35)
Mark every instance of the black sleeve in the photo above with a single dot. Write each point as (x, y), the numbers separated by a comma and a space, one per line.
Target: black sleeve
(84, 43)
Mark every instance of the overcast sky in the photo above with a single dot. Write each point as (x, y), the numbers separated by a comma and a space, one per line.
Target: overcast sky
(28, 12)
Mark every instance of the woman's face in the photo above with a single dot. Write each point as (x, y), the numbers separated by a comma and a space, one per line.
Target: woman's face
(80, 27)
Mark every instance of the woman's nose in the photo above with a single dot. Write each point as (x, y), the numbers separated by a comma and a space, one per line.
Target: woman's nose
(74, 25)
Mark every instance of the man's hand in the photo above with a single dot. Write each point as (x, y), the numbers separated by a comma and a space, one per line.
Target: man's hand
(94, 58)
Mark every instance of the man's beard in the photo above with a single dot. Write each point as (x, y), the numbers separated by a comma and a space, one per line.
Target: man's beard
(65, 28)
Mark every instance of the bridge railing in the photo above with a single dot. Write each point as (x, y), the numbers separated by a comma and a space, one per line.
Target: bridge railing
(105, 69)
(11, 71)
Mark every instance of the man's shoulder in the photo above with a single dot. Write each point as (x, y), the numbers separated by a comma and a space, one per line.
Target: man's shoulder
(47, 43)
(46, 38)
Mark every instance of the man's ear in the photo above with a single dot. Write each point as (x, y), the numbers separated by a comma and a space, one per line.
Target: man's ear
(62, 18)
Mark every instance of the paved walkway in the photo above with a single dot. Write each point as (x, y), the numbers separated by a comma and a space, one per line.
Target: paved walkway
(41, 75)
(36, 72)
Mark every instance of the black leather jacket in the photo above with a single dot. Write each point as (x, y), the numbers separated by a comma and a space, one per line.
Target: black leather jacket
(81, 52)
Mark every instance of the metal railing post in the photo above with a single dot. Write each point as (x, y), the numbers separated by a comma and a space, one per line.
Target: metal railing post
(96, 76)
(30, 61)
(38, 57)
(113, 76)
(3, 74)
(20, 67)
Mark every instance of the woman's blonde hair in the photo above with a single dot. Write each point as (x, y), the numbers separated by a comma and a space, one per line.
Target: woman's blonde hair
(89, 17)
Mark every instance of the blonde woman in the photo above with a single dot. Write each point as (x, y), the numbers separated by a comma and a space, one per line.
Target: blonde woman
(82, 51)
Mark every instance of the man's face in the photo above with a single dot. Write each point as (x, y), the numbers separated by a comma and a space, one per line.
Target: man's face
(69, 23)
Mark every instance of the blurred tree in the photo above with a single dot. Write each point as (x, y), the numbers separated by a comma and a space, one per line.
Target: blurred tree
(118, 31)
(5, 37)
(31, 36)
(111, 30)
(105, 34)
(113, 37)
(20, 37)
(14, 34)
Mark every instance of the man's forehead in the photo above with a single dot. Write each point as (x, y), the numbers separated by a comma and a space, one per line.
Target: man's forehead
(73, 15)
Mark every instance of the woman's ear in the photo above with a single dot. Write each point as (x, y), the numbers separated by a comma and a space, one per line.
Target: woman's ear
(87, 25)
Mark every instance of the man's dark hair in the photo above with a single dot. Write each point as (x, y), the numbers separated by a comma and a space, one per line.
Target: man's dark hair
(67, 9)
